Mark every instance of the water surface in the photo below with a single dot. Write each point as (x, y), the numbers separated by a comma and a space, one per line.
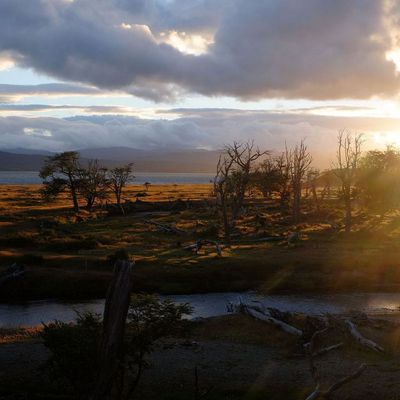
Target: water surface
(157, 178)
(211, 304)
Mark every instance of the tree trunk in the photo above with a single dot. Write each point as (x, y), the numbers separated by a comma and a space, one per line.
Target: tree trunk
(296, 204)
(74, 198)
(348, 217)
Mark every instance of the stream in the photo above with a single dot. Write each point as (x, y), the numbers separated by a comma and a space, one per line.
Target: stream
(209, 305)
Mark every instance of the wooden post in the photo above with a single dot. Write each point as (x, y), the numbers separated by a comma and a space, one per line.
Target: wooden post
(115, 313)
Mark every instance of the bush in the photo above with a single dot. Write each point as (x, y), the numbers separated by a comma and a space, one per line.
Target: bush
(74, 350)
(74, 346)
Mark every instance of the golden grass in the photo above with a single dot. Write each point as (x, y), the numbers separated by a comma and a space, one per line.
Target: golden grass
(46, 237)
(18, 335)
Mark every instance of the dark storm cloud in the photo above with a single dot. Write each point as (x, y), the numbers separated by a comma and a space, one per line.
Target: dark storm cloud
(313, 49)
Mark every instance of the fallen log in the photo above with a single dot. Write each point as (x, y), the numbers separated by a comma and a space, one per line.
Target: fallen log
(266, 317)
(196, 247)
(312, 352)
(318, 393)
(363, 341)
(165, 228)
(327, 349)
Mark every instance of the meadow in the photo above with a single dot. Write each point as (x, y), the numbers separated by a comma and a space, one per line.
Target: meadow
(70, 256)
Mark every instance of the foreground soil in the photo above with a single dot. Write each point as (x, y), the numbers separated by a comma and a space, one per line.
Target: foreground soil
(236, 358)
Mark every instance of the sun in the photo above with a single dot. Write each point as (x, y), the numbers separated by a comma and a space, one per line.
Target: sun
(385, 139)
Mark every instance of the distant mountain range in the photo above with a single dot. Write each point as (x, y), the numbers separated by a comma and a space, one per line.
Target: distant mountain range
(144, 160)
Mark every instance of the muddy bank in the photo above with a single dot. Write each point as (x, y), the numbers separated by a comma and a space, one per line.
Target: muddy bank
(236, 358)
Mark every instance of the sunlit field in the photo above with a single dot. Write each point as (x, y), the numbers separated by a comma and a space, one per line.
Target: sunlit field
(67, 255)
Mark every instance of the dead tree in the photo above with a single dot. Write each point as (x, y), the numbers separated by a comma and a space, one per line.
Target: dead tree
(283, 164)
(312, 177)
(115, 313)
(299, 161)
(232, 180)
(347, 160)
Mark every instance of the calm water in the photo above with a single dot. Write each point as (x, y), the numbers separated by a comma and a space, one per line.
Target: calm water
(211, 304)
(32, 177)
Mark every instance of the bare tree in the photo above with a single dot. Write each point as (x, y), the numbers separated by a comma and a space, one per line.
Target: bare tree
(222, 190)
(348, 156)
(118, 178)
(299, 161)
(233, 178)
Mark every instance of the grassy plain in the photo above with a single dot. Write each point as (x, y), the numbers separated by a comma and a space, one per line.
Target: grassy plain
(67, 257)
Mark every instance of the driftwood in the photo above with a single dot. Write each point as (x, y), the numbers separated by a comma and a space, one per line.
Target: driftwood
(313, 353)
(277, 318)
(318, 393)
(264, 315)
(328, 349)
(196, 247)
(115, 313)
(363, 341)
(165, 228)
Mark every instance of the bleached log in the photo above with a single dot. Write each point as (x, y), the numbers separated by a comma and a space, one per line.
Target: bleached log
(165, 228)
(266, 317)
(327, 349)
(363, 341)
(319, 394)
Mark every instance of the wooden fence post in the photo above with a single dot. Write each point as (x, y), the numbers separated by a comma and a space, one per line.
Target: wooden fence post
(115, 313)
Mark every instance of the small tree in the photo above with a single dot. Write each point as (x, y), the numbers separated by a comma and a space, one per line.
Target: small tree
(60, 174)
(93, 183)
(267, 177)
(347, 162)
(118, 178)
(149, 319)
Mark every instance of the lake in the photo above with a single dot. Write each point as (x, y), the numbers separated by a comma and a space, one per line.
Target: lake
(209, 305)
(158, 178)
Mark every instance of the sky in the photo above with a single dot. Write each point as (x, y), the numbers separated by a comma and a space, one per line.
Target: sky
(172, 74)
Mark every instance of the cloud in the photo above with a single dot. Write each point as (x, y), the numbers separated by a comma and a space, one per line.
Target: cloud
(311, 49)
(11, 93)
(209, 129)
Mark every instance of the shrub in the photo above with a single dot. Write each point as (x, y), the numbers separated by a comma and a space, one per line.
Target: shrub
(74, 346)
(74, 349)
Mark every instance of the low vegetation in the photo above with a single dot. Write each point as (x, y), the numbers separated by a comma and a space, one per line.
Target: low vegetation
(323, 241)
